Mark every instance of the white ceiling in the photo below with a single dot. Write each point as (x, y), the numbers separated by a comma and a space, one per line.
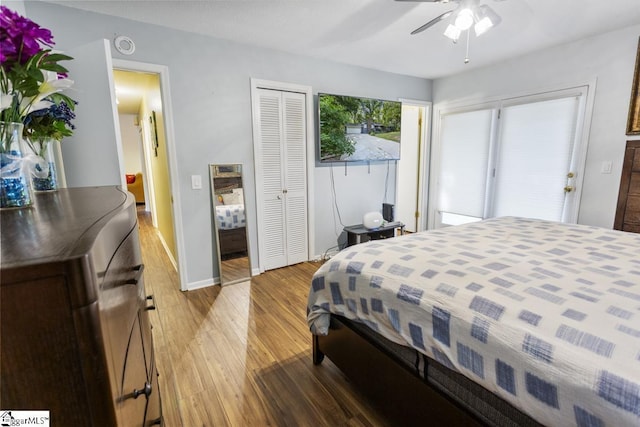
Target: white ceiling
(375, 33)
(130, 89)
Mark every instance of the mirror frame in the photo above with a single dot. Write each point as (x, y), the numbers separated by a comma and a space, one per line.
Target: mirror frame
(230, 171)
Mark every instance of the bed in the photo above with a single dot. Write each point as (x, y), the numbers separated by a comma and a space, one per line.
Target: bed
(508, 321)
(230, 217)
(231, 220)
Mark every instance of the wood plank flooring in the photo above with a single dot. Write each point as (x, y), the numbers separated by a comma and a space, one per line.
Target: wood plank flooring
(241, 355)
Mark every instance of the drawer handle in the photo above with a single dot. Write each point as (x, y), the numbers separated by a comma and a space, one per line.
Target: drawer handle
(146, 390)
(153, 303)
(139, 269)
(156, 422)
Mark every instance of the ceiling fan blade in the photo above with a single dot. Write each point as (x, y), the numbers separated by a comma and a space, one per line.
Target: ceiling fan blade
(432, 22)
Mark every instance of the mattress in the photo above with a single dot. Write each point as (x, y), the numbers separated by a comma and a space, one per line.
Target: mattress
(229, 217)
(545, 315)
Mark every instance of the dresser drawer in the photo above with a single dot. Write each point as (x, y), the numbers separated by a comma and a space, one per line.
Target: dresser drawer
(136, 386)
(121, 295)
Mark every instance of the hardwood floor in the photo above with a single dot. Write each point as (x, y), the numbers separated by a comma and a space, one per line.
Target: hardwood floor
(241, 355)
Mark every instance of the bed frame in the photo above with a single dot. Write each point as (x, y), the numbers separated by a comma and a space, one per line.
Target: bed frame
(402, 391)
(233, 241)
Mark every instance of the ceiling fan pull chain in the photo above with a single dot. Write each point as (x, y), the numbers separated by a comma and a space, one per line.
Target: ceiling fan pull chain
(466, 58)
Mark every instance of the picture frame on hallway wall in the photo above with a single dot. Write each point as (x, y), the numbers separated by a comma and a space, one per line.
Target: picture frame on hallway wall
(633, 121)
(154, 132)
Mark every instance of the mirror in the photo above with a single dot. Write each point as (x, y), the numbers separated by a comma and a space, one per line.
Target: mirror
(227, 195)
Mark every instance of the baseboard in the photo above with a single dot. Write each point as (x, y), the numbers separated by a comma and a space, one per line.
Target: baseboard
(191, 286)
(167, 250)
(213, 281)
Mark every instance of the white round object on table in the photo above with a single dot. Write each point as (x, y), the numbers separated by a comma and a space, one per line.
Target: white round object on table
(372, 220)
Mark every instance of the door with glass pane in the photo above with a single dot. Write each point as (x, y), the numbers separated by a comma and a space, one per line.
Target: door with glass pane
(534, 176)
(464, 162)
(518, 158)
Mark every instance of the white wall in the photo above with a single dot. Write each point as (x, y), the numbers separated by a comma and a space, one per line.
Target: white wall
(130, 143)
(608, 58)
(210, 90)
(359, 189)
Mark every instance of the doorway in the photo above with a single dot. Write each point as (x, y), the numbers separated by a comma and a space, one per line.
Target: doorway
(142, 104)
(521, 156)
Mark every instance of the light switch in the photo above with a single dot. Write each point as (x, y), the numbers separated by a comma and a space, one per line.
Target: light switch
(606, 167)
(196, 182)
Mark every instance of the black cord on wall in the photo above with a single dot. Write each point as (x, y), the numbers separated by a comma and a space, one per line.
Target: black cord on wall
(335, 200)
(386, 183)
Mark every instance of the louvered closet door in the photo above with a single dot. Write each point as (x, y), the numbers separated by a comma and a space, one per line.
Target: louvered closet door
(282, 153)
(295, 173)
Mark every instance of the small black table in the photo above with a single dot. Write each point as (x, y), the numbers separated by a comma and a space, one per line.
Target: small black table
(355, 233)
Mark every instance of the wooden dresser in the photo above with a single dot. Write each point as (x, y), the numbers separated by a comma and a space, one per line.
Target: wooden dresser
(75, 334)
(628, 209)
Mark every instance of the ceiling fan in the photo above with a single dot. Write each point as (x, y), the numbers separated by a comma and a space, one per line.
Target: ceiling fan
(461, 18)
(466, 14)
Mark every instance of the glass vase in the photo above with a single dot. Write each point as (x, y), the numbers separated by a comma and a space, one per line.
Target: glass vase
(42, 165)
(15, 182)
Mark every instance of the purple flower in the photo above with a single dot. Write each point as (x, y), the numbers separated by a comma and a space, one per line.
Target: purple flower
(20, 38)
(31, 77)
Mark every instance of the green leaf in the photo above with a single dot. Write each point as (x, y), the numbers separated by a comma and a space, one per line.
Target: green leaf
(57, 98)
(36, 74)
(54, 67)
(55, 57)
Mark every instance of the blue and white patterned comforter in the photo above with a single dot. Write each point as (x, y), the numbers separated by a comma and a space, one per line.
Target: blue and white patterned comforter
(545, 315)
(229, 217)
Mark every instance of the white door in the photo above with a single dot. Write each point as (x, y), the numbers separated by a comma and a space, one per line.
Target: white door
(534, 176)
(295, 176)
(281, 177)
(410, 170)
(92, 155)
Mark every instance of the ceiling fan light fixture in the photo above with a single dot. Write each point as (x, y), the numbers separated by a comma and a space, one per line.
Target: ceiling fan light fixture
(486, 18)
(464, 19)
(482, 26)
(469, 13)
(453, 32)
